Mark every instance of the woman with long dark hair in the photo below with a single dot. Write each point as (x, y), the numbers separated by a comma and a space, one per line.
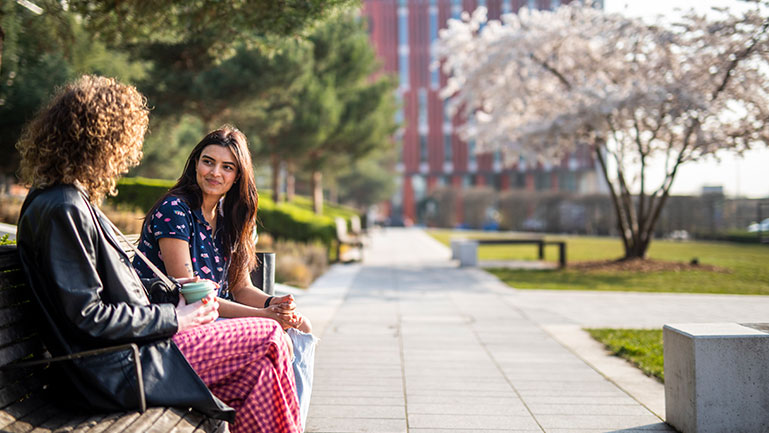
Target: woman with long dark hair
(205, 227)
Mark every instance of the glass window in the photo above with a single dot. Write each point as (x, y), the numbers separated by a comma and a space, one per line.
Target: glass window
(403, 45)
(554, 3)
(506, 7)
(456, 9)
(420, 187)
(448, 154)
(434, 74)
(422, 107)
(471, 151)
(532, 4)
(422, 148)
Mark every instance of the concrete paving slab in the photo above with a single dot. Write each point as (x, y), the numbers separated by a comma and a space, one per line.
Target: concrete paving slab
(457, 350)
(355, 425)
(462, 422)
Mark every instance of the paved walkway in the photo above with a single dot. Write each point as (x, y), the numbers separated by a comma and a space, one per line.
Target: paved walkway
(412, 343)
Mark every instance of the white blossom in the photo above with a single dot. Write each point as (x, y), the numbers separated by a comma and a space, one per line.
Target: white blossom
(539, 83)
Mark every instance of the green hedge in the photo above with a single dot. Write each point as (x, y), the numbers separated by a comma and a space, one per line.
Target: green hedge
(737, 236)
(288, 221)
(294, 221)
(140, 193)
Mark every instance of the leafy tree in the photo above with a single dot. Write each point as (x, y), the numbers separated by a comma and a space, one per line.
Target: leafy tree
(346, 63)
(546, 81)
(367, 181)
(42, 52)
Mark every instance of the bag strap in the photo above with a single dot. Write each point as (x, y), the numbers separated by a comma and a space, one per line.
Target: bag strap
(167, 281)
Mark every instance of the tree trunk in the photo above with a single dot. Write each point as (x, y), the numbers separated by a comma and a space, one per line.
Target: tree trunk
(275, 164)
(317, 192)
(2, 40)
(628, 230)
(290, 182)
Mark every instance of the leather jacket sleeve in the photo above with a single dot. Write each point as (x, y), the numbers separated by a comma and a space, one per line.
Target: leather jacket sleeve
(99, 294)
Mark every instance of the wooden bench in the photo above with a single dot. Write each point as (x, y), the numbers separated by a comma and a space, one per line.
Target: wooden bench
(24, 403)
(541, 243)
(345, 239)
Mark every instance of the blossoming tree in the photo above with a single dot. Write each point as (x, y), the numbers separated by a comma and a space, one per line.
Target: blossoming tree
(539, 83)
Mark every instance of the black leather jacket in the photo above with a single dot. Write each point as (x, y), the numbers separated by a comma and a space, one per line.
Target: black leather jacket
(91, 297)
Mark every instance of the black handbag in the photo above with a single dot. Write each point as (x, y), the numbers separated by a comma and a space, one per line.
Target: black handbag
(159, 292)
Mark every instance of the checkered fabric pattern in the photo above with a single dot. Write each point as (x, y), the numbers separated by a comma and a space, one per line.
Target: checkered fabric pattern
(247, 364)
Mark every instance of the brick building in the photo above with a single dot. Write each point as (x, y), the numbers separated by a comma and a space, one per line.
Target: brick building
(431, 153)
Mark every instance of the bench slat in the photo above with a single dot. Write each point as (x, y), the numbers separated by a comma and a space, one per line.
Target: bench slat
(17, 384)
(32, 419)
(19, 410)
(145, 420)
(13, 334)
(12, 278)
(19, 350)
(13, 315)
(9, 257)
(60, 422)
(122, 422)
(170, 418)
(98, 423)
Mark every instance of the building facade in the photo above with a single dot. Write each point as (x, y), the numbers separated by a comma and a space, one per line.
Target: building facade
(431, 152)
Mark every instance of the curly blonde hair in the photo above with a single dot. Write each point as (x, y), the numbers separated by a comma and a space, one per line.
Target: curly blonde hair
(90, 133)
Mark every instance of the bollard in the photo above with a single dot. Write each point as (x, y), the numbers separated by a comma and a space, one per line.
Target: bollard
(263, 276)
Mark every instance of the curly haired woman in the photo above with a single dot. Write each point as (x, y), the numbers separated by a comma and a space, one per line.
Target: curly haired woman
(91, 297)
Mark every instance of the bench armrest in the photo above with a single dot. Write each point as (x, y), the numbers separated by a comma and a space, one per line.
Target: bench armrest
(86, 353)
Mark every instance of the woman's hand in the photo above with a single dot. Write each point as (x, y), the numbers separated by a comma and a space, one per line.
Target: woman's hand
(199, 313)
(284, 303)
(286, 318)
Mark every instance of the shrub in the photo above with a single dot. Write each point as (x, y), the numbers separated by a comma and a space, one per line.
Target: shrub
(9, 209)
(297, 263)
(139, 193)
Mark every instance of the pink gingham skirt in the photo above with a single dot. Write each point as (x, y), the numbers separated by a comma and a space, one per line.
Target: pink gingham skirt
(247, 364)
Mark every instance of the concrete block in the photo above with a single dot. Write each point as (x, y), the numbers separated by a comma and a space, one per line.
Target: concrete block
(716, 378)
(467, 253)
(455, 247)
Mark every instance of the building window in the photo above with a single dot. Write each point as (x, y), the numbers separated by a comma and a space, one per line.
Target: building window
(448, 154)
(422, 148)
(420, 187)
(506, 7)
(422, 108)
(434, 74)
(532, 4)
(542, 181)
(471, 151)
(467, 181)
(403, 45)
(555, 4)
(456, 9)
(567, 181)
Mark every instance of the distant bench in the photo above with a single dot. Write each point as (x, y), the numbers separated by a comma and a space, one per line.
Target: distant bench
(24, 403)
(466, 250)
(349, 244)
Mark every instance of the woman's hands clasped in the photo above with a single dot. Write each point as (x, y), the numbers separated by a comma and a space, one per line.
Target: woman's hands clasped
(283, 310)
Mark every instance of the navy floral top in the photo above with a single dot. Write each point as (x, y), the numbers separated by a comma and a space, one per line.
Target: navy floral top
(174, 219)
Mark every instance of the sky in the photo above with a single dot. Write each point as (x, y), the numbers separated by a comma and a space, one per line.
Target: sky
(746, 176)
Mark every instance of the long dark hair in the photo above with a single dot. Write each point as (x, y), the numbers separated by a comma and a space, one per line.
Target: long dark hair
(240, 202)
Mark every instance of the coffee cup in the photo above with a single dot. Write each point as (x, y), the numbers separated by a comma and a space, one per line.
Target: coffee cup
(193, 292)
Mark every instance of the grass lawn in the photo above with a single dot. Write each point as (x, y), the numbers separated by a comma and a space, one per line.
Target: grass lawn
(642, 347)
(745, 265)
